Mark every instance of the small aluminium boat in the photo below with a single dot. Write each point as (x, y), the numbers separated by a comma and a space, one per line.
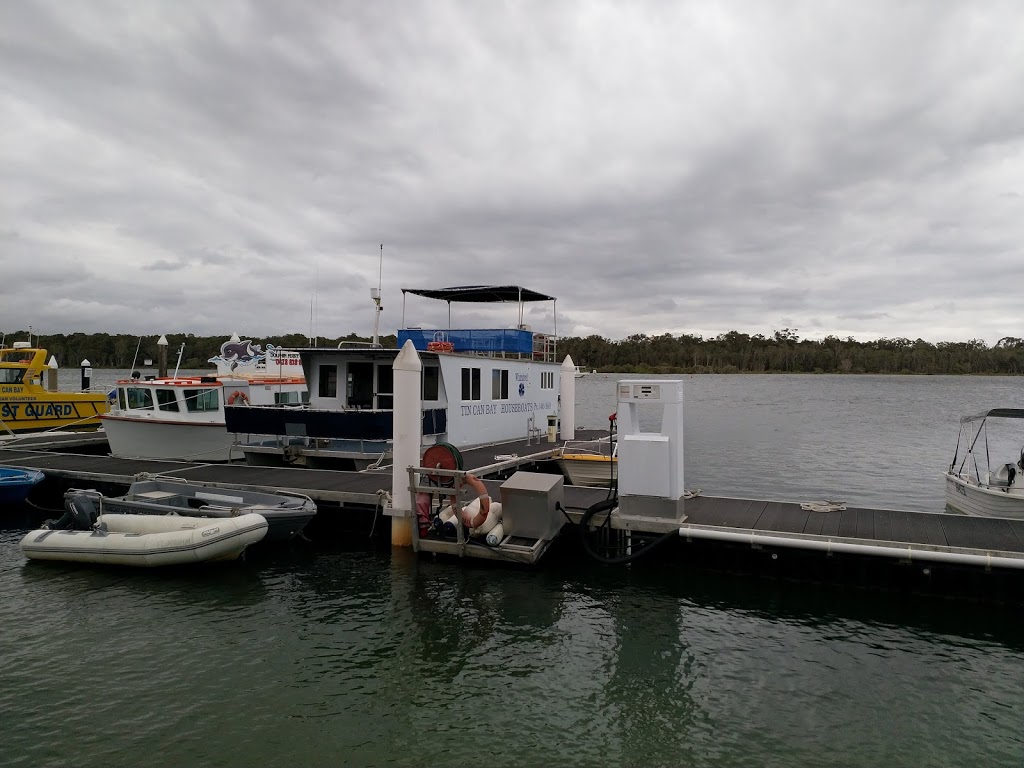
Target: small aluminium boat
(16, 484)
(589, 462)
(286, 513)
(145, 540)
(974, 484)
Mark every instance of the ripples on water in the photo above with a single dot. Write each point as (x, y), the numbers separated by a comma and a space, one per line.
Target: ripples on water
(352, 656)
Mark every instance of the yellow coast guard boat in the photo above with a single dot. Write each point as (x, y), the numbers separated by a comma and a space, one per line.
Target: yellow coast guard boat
(27, 405)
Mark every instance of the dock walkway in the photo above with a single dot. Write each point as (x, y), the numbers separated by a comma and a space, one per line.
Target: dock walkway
(983, 543)
(321, 485)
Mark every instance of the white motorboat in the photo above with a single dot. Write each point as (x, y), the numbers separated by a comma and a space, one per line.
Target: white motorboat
(146, 540)
(975, 485)
(589, 462)
(481, 386)
(286, 513)
(182, 417)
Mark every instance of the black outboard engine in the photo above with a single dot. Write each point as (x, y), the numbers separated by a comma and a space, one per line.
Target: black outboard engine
(80, 513)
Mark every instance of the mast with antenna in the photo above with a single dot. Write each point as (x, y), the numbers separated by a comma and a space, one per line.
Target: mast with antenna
(313, 302)
(375, 295)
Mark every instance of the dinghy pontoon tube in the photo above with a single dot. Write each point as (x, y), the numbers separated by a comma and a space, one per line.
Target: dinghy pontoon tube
(147, 540)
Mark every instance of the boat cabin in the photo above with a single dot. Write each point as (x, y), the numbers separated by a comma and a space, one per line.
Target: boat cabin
(199, 395)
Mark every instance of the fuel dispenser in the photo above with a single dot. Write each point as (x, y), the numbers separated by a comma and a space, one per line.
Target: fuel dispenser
(650, 463)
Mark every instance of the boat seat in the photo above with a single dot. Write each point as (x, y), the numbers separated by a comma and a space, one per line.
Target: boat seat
(1003, 477)
(165, 498)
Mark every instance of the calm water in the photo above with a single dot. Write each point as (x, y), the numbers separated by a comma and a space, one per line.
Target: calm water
(343, 654)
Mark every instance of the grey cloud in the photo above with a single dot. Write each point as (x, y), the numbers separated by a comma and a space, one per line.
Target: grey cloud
(661, 168)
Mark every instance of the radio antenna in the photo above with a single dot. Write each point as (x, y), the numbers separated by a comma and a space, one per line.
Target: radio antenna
(375, 295)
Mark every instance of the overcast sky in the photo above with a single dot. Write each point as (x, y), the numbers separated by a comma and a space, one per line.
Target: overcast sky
(847, 168)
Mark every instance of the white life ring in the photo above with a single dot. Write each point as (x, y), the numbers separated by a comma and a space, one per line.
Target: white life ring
(475, 518)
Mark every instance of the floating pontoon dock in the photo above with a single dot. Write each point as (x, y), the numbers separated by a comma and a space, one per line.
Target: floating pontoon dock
(981, 545)
(332, 486)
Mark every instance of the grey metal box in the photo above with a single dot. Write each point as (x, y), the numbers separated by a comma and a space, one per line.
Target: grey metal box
(528, 502)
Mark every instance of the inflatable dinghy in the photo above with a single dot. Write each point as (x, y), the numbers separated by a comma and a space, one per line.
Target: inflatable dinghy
(148, 540)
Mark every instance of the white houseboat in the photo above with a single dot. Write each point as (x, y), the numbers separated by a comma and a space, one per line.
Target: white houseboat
(481, 386)
(182, 417)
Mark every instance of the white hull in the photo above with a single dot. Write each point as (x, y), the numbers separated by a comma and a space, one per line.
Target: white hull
(149, 540)
(971, 499)
(183, 418)
(144, 437)
(588, 471)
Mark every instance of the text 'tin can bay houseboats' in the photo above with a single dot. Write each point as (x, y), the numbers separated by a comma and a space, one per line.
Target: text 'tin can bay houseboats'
(182, 417)
(480, 386)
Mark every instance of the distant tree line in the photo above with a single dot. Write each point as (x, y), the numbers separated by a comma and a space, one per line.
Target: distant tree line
(785, 352)
(732, 352)
(122, 350)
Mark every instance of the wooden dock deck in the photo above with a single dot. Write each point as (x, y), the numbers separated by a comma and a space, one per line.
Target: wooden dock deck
(922, 536)
(322, 485)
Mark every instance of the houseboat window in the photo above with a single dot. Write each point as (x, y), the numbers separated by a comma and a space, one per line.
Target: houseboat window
(139, 397)
(122, 401)
(286, 398)
(470, 383)
(11, 375)
(431, 383)
(167, 400)
(328, 381)
(200, 400)
(499, 384)
(547, 379)
(385, 386)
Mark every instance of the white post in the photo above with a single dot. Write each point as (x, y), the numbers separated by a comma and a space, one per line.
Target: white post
(51, 375)
(407, 438)
(86, 368)
(161, 344)
(567, 398)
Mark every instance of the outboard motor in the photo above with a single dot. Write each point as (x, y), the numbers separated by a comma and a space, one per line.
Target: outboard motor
(80, 513)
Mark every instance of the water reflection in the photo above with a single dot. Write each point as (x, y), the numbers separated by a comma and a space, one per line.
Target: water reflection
(650, 684)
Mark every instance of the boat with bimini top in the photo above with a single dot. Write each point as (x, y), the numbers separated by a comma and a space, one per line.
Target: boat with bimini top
(480, 386)
(182, 417)
(975, 485)
(30, 400)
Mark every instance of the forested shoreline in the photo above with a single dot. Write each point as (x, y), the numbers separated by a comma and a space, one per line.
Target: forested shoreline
(733, 352)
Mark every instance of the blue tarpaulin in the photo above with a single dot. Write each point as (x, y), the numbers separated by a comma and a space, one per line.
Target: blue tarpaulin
(508, 340)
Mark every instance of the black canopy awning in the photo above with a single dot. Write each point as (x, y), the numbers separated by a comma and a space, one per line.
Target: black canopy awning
(996, 413)
(480, 293)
